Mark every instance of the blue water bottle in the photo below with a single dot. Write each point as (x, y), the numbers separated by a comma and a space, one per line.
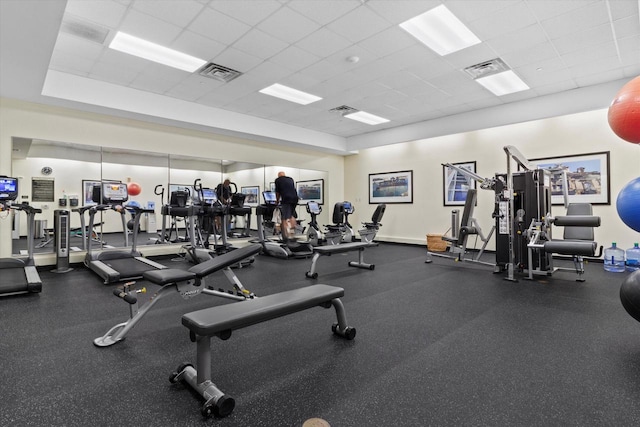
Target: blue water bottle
(633, 258)
(614, 259)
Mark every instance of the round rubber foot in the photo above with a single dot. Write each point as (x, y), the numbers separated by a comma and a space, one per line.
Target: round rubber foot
(224, 406)
(372, 267)
(350, 333)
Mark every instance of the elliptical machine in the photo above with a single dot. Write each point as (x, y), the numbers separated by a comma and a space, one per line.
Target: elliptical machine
(282, 249)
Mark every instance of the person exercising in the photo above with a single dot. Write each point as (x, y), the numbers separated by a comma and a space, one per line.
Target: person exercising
(223, 191)
(287, 197)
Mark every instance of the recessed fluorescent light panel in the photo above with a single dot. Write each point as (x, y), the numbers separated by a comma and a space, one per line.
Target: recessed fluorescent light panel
(503, 83)
(441, 31)
(126, 43)
(367, 118)
(289, 94)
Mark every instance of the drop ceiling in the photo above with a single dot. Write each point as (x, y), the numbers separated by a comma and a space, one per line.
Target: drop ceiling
(573, 54)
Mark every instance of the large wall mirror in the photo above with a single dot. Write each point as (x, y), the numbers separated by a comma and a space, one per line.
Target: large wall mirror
(59, 175)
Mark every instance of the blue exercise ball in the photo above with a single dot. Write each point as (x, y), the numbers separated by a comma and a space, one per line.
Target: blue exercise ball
(630, 295)
(628, 204)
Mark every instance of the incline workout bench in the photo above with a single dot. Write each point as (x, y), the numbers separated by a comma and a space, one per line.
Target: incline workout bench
(221, 320)
(336, 249)
(188, 283)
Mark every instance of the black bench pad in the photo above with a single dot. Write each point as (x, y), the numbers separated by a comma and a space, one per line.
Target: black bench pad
(571, 247)
(225, 260)
(172, 275)
(213, 320)
(343, 247)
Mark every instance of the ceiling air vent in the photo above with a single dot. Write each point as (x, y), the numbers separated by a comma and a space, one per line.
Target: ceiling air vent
(218, 72)
(487, 68)
(343, 110)
(83, 29)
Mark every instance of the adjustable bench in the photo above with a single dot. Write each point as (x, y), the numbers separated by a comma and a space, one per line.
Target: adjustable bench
(188, 283)
(220, 321)
(336, 249)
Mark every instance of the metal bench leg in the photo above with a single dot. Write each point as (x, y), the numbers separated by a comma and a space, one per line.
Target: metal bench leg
(312, 273)
(341, 328)
(361, 263)
(216, 402)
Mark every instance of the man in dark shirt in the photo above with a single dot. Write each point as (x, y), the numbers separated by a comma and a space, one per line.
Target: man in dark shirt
(287, 196)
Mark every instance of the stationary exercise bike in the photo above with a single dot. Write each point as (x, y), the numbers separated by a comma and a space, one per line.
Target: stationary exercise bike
(315, 236)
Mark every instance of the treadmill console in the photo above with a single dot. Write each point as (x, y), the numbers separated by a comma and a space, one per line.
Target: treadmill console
(209, 196)
(114, 192)
(8, 189)
(348, 207)
(269, 197)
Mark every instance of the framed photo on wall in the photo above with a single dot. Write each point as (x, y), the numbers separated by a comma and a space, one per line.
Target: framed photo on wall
(310, 191)
(87, 191)
(391, 187)
(252, 195)
(456, 184)
(587, 176)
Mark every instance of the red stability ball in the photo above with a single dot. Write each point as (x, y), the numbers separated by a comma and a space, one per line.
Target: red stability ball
(624, 112)
(133, 188)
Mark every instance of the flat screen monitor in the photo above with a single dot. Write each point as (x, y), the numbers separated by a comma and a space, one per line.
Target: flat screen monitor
(8, 188)
(313, 207)
(209, 195)
(269, 197)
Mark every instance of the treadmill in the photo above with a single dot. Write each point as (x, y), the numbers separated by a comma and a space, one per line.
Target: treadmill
(18, 276)
(118, 265)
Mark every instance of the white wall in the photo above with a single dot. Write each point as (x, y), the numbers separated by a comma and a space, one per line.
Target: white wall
(559, 136)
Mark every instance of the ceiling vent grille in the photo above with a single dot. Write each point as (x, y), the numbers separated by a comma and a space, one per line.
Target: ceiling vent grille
(487, 68)
(343, 110)
(83, 29)
(219, 72)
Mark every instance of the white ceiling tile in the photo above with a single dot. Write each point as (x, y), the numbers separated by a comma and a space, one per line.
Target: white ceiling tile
(68, 63)
(586, 57)
(124, 60)
(584, 39)
(149, 28)
(178, 12)
(193, 87)
(322, 70)
(390, 10)
(269, 73)
(626, 27)
(218, 26)
(388, 41)
(249, 12)
(260, 44)
(237, 60)
(468, 11)
(288, 25)
(518, 39)
(590, 14)
(300, 81)
(80, 47)
(622, 9)
(431, 68)
(350, 25)
(401, 80)
(412, 55)
(445, 81)
(376, 69)
(323, 43)
(197, 45)
(514, 16)
(104, 12)
(630, 50)
(544, 72)
(597, 78)
(545, 9)
(325, 11)
(529, 55)
(157, 79)
(603, 64)
(294, 58)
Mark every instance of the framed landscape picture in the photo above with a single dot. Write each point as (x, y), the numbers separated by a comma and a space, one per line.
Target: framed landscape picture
(391, 187)
(310, 191)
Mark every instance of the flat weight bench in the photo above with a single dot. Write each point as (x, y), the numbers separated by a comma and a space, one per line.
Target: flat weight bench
(188, 283)
(220, 321)
(336, 249)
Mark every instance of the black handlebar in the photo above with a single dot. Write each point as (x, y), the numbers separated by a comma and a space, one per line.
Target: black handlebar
(125, 296)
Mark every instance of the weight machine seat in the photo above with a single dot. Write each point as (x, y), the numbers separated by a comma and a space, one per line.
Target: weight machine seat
(214, 320)
(571, 247)
(198, 271)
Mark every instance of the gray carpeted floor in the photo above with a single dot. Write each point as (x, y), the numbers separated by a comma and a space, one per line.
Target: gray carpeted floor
(437, 344)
